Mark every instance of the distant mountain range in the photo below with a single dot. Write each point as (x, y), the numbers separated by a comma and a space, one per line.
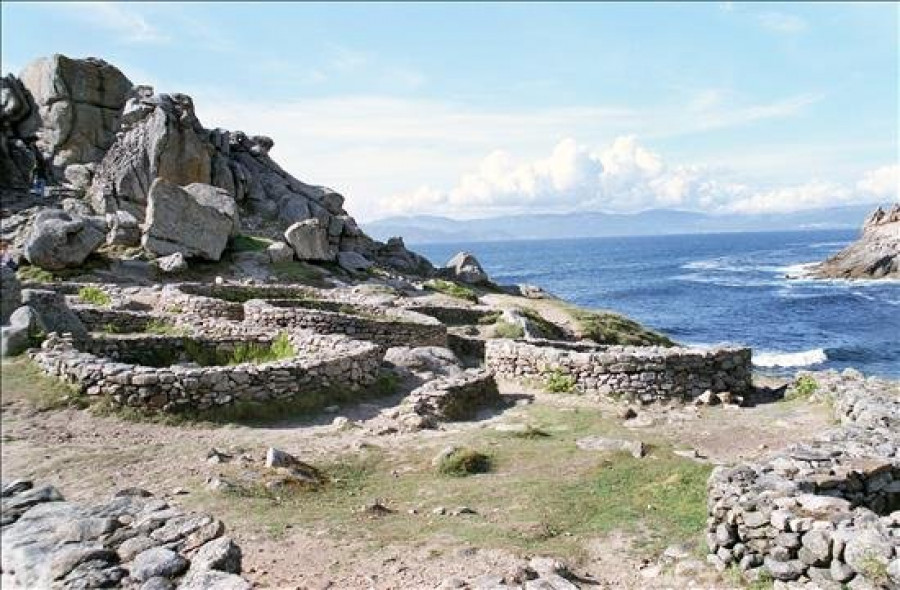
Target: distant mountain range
(425, 229)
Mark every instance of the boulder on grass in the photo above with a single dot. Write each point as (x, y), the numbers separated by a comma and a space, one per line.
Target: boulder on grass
(280, 252)
(309, 239)
(195, 220)
(19, 334)
(61, 240)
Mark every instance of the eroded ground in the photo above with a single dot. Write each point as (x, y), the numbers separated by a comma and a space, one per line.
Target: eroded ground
(608, 516)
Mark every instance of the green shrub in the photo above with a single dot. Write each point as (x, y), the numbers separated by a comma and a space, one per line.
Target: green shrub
(452, 289)
(253, 352)
(804, 386)
(463, 462)
(558, 382)
(503, 329)
(606, 327)
(94, 296)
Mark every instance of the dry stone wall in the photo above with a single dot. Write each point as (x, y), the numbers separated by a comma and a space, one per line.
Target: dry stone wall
(385, 326)
(646, 373)
(109, 367)
(824, 514)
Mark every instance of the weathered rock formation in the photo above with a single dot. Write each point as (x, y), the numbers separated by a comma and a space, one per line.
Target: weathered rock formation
(131, 541)
(60, 240)
(875, 255)
(466, 268)
(83, 126)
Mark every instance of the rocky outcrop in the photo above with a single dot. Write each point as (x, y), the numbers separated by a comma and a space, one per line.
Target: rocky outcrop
(10, 293)
(875, 255)
(465, 267)
(52, 313)
(309, 239)
(195, 220)
(131, 541)
(61, 240)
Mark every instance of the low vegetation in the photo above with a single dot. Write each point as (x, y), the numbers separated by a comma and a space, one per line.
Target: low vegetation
(244, 243)
(558, 382)
(463, 462)
(803, 387)
(164, 328)
(22, 379)
(605, 327)
(452, 289)
(504, 329)
(547, 328)
(298, 272)
(94, 296)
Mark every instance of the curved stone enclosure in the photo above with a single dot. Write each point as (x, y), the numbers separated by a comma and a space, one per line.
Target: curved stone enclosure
(827, 511)
(385, 326)
(643, 372)
(109, 367)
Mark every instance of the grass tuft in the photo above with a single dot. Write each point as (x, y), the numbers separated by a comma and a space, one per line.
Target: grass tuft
(244, 243)
(463, 462)
(803, 387)
(606, 327)
(504, 329)
(23, 379)
(94, 296)
(556, 381)
(452, 289)
(164, 328)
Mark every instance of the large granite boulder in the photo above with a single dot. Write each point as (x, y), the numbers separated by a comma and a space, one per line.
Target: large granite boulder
(53, 315)
(10, 293)
(195, 220)
(353, 261)
(309, 239)
(875, 255)
(18, 158)
(465, 267)
(395, 254)
(78, 102)
(58, 239)
(20, 333)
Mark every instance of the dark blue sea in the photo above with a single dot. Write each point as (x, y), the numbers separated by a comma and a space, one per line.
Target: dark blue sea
(715, 288)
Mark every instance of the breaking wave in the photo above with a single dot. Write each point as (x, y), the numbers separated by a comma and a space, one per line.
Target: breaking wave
(805, 358)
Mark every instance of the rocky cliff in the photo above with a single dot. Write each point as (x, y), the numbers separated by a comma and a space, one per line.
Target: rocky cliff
(875, 255)
(83, 128)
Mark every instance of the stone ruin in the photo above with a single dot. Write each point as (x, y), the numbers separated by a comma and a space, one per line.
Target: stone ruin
(644, 373)
(823, 514)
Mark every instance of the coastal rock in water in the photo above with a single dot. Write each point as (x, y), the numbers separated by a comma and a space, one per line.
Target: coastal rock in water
(309, 239)
(78, 105)
(10, 293)
(195, 220)
(875, 255)
(466, 268)
(60, 240)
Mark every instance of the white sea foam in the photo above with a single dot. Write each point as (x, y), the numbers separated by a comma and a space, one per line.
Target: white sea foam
(805, 358)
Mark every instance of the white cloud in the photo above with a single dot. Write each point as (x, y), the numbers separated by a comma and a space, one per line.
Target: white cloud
(624, 176)
(122, 18)
(882, 182)
(782, 22)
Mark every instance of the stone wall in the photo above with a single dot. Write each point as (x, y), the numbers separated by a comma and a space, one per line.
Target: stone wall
(385, 326)
(101, 319)
(646, 373)
(322, 362)
(825, 512)
(455, 315)
(449, 398)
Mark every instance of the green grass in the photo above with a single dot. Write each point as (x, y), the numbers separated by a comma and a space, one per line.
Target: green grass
(546, 327)
(452, 289)
(298, 272)
(504, 329)
(164, 328)
(35, 274)
(243, 243)
(94, 296)
(606, 327)
(463, 462)
(542, 494)
(558, 382)
(24, 380)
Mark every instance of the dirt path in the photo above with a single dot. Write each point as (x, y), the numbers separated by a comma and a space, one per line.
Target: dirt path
(89, 457)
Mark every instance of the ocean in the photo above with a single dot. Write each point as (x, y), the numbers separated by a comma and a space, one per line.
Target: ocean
(717, 288)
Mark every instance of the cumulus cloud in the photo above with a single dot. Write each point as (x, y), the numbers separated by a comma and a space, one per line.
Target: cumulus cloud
(882, 182)
(624, 176)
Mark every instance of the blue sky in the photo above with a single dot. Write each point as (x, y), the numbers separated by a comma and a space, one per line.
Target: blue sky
(480, 109)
